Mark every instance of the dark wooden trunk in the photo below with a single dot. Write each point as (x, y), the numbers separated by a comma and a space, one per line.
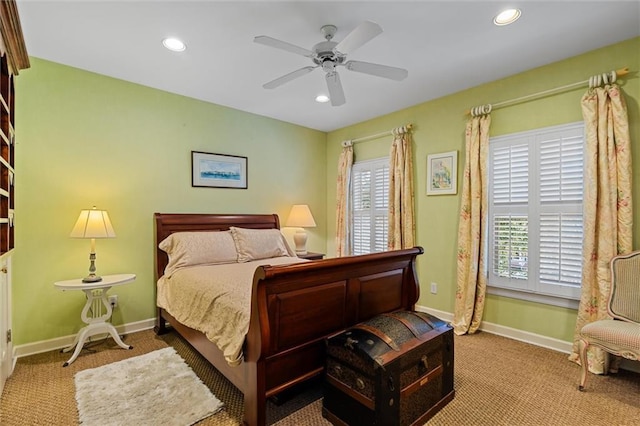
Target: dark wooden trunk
(394, 369)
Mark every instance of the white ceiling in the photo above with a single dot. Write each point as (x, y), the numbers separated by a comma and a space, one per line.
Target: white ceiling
(446, 46)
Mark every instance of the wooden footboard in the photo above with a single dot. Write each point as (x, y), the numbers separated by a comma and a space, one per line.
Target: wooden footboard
(293, 309)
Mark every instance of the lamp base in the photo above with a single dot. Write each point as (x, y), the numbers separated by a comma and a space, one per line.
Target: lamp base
(91, 279)
(300, 239)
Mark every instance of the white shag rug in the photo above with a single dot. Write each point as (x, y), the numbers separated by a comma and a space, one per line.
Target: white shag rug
(157, 388)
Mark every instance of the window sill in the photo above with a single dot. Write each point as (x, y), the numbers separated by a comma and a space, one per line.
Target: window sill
(534, 297)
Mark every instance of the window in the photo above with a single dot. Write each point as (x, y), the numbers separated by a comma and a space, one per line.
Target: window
(535, 214)
(369, 206)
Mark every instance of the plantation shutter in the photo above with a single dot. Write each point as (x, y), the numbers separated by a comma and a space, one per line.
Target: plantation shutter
(509, 202)
(511, 174)
(535, 211)
(370, 196)
(561, 188)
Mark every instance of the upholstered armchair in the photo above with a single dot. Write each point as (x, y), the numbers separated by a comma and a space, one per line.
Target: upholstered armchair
(621, 334)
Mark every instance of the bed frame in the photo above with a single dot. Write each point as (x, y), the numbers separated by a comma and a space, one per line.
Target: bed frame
(293, 308)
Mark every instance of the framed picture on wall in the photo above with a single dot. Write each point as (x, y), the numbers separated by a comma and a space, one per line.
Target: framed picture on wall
(442, 173)
(218, 170)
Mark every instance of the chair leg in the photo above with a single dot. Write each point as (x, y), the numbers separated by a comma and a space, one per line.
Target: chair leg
(584, 364)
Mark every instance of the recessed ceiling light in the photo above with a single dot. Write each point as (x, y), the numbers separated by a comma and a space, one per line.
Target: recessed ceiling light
(322, 98)
(507, 17)
(174, 44)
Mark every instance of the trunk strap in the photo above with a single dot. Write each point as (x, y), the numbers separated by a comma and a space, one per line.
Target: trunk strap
(378, 334)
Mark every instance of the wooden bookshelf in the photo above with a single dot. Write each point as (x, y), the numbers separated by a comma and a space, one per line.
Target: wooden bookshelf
(13, 58)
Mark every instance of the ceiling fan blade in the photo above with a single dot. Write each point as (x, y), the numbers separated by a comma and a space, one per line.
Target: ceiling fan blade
(336, 94)
(279, 44)
(288, 77)
(359, 36)
(378, 70)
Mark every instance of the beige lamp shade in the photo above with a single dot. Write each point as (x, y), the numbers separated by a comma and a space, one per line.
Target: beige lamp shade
(93, 224)
(301, 217)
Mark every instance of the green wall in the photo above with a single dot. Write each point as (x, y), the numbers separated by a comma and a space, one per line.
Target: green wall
(84, 139)
(439, 127)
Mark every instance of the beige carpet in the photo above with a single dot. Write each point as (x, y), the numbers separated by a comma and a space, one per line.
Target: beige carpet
(498, 381)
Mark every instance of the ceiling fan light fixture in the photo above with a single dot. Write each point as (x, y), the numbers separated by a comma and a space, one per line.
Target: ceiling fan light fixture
(507, 17)
(174, 44)
(322, 99)
(328, 55)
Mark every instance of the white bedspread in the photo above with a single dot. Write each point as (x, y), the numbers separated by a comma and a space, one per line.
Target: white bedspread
(215, 300)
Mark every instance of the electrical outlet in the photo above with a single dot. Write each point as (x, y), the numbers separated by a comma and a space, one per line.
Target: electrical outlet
(434, 288)
(113, 300)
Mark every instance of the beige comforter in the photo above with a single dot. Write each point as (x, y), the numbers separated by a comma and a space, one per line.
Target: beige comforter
(215, 300)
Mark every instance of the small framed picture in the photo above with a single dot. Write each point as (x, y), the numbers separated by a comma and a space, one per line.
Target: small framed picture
(218, 170)
(442, 173)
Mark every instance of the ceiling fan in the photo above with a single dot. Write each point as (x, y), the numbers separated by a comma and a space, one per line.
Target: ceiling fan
(328, 55)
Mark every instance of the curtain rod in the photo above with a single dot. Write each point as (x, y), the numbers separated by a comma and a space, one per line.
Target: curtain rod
(350, 142)
(619, 73)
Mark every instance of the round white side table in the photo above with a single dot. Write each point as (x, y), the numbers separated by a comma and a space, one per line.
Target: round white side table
(97, 310)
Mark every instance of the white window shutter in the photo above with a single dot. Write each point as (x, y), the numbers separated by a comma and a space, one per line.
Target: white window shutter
(370, 196)
(535, 208)
(561, 169)
(561, 192)
(511, 174)
(510, 249)
(561, 248)
(361, 190)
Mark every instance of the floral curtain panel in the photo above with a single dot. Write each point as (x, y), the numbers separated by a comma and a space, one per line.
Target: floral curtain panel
(471, 276)
(402, 226)
(342, 200)
(607, 203)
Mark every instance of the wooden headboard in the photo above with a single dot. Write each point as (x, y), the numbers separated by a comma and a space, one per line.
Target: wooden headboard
(168, 223)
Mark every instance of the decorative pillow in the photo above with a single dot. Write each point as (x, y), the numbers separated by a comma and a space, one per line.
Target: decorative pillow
(198, 248)
(255, 244)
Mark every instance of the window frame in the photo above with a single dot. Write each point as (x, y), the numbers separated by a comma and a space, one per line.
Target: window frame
(534, 288)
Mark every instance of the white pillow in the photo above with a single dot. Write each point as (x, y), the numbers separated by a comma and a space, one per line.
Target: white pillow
(198, 248)
(255, 244)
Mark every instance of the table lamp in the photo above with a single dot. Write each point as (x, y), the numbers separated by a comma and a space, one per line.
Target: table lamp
(300, 217)
(93, 224)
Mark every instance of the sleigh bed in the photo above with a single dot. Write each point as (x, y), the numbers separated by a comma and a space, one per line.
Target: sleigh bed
(292, 307)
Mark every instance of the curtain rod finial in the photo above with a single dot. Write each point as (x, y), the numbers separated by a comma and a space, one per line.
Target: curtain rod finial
(622, 71)
(481, 110)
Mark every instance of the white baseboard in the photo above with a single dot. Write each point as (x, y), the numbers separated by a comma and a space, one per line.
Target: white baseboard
(525, 336)
(61, 342)
(501, 330)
